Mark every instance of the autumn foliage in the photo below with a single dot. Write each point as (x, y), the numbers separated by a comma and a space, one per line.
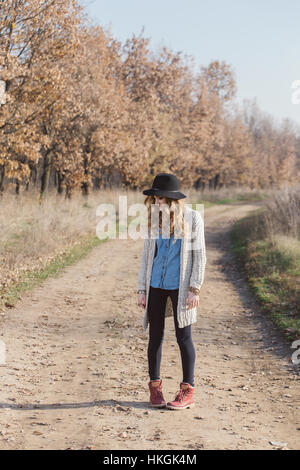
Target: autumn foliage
(80, 110)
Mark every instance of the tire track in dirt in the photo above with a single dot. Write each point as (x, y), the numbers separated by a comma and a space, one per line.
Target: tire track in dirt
(76, 372)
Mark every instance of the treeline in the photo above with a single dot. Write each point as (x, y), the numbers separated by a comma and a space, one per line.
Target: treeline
(80, 109)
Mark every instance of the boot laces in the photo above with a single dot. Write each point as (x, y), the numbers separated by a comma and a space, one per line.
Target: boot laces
(181, 394)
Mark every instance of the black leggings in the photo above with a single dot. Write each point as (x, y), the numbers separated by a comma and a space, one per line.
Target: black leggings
(156, 307)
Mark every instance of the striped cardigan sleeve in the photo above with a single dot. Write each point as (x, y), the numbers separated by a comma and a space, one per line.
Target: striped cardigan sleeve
(198, 252)
(143, 266)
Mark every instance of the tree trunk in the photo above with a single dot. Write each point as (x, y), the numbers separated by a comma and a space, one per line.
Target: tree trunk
(60, 179)
(85, 189)
(34, 175)
(216, 181)
(68, 193)
(97, 183)
(46, 172)
(2, 174)
(85, 185)
(199, 184)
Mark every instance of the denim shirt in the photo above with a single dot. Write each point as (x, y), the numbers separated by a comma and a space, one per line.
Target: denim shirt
(166, 263)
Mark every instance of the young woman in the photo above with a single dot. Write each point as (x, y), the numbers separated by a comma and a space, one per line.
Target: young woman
(172, 267)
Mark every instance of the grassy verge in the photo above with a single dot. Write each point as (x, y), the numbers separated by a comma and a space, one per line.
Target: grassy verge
(272, 269)
(225, 196)
(34, 277)
(228, 196)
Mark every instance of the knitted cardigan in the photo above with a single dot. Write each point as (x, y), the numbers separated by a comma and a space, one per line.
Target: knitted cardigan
(192, 267)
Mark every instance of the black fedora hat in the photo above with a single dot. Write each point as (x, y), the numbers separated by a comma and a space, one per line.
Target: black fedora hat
(165, 184)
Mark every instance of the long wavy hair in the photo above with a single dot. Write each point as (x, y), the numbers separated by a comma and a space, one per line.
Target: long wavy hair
(173, 208)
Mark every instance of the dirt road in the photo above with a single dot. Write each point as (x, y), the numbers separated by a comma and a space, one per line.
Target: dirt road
(76, 372)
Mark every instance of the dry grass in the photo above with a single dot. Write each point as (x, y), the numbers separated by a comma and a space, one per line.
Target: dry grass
(283, 214)
(268, 246)
(288, 245)
(33, 234)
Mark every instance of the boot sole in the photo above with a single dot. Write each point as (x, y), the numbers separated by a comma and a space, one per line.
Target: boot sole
(157, 406)
(170, 407)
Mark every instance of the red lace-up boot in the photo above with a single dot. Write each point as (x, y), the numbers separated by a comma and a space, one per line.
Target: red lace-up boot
(184, 398)
(156, 396)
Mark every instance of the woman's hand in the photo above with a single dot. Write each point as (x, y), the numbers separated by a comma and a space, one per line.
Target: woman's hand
(192, 300)
(142, 300)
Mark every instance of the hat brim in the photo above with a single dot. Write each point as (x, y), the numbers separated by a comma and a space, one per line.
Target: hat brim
(169, 194)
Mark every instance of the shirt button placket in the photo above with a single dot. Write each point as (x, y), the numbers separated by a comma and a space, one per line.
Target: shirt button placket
(165, 257)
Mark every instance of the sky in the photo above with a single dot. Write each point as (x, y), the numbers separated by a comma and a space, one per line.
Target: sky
(260, 39)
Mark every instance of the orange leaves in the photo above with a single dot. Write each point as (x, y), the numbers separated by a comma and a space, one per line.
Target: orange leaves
(81, 104)
(15, 169)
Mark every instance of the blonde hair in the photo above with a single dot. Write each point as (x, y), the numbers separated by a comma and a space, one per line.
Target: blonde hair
(176, 212)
